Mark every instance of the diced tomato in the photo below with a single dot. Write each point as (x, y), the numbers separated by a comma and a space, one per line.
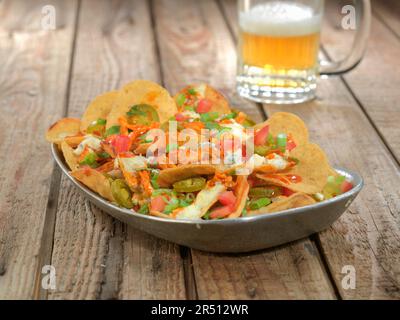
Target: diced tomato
(227, 198)
(221, 212)
(180, 117)
(346, 186)
(121, 143)
(157, 204)
(290, 145)
(251, 181)
(287, 192)
(260, 137)
(244, 151)
(204, 106)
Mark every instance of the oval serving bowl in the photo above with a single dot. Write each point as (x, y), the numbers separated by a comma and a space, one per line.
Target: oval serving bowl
(231, 235)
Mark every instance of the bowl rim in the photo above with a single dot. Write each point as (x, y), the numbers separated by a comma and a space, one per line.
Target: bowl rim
(353, 176)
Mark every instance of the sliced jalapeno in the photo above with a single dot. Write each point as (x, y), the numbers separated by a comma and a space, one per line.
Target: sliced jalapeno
(121, 193)
(97, 128)
(142, 114)
(261, 150)
(190, 185)
(262, 192)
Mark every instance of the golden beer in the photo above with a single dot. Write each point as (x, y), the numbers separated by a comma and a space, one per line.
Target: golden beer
(280, 53)
(278, 50)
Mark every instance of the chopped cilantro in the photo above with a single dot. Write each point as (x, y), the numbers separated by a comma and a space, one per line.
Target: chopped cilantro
(101, 121)
(144, 209)
(192, 91)
(229, 116)
(104, 155)
(180, 99)
(189, 108)
(113, 130)
(153, 179)
(135, 111)
(172, 205)
(209, 116)
(259, 203)
(207, 215)
(90, 160)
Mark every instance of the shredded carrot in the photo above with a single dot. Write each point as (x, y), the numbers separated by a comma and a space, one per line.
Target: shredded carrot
(130, 179)
(84, 153)
(225, 121)
(108, 166)
(240, 117)
(123, 125)
(166, 166)
(145, 182)
(196, 125)
(223, 178)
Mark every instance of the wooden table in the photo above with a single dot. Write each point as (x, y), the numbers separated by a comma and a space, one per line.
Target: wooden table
(99, 45)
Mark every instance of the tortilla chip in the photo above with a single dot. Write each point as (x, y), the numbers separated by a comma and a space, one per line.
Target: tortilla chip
(296, 200)
(160, 214)
(99, 108)
(241, 191)
(142, 148)
(205, 199)
(142, 92)
(70, 158)
(313, 169)
(74, 141)
(169, 176)
(63, 128)
(289, 123)
(219, 102)
(95, 181)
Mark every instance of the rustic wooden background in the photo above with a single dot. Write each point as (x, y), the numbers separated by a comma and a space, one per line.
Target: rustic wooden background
(99, 45)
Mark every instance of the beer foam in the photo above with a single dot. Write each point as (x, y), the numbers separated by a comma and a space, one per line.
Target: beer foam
(280, 18)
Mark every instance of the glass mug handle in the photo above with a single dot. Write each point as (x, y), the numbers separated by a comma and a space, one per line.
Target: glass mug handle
(363, 22)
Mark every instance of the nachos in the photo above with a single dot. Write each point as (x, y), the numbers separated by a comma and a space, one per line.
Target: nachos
(192, 156)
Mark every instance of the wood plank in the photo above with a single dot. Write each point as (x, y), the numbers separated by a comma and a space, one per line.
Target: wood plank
(195, 44)
(388, 12)
(33, 84)
(94, 255)
(375, 81)
(367, 235)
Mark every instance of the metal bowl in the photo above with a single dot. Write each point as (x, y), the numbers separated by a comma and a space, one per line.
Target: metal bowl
(231, 235)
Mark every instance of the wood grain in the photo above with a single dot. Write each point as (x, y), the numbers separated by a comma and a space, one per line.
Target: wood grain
(94, 255)
(388, 12)
(195, 44)
(367, 235)
(33, 84)
(373, 81)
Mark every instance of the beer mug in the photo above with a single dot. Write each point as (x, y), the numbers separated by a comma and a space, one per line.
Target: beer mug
(278, 49)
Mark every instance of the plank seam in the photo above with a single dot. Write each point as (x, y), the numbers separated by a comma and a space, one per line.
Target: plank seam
(185, 253)
(325, 265)
(188, 272)
(366, 114)
(46, 246)
(156, 40)
(321, 256)
(234, 39)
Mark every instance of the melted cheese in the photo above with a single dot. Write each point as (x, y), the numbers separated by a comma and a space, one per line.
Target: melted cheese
(133, 164)
(204, 200)
(91, 142)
